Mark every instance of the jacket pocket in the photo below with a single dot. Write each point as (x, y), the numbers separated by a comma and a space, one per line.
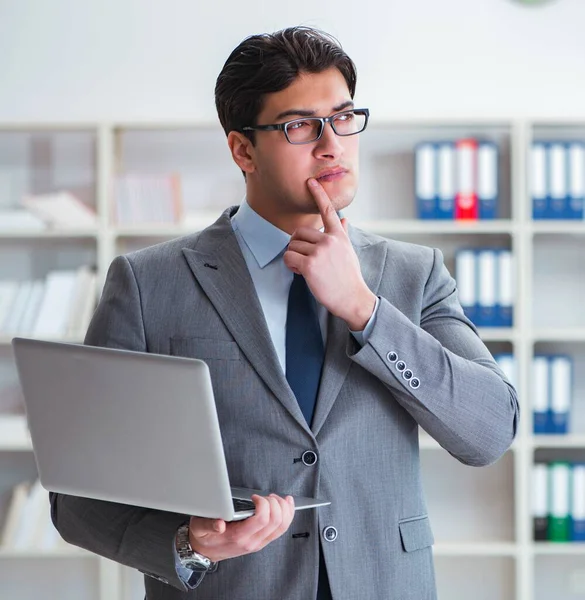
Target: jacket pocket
(416, 533)
(204, 348)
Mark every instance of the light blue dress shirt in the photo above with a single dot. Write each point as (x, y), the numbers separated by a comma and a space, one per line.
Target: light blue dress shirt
(263, 246)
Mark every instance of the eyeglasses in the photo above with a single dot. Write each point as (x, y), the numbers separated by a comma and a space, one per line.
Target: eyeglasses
(310, 129)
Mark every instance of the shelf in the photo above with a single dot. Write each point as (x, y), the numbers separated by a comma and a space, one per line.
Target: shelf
(572, 226)
(60, 234)
(475, 549)
(14, 434)
(558, 441)
(551, 548)
(559, 334)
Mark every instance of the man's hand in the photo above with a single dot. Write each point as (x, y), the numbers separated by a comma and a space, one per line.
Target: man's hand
(330, 265)
(218, 540)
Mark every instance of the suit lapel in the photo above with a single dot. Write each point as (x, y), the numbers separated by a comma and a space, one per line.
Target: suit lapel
(372, 258)
(219, 267)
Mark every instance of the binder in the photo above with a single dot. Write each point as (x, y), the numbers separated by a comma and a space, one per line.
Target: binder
(507, 363)
(561, 390)
(425, 180)
(466, 202)
(466, 277)
(578, 503)
(539, 180)
(576, 158)
(559, 499)
(487, 180)
(540, 394)
(487, 281)
(540, 501)
(505, 289)
(559, 200)
(446, 181)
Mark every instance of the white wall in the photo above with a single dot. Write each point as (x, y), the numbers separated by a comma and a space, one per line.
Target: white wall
(75, 60)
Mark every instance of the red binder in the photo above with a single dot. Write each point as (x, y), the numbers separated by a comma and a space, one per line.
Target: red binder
(466, 201)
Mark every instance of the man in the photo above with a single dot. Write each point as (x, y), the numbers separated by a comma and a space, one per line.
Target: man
(327, 347)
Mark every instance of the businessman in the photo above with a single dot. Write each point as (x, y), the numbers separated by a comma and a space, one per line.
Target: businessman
(327, 347)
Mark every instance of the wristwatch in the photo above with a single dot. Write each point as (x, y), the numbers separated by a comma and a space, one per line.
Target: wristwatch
(188, 557)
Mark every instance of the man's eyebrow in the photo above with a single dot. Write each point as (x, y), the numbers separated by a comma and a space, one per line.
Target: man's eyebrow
(299, 112)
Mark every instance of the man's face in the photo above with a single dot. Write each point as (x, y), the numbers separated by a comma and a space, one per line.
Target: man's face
(278, 183)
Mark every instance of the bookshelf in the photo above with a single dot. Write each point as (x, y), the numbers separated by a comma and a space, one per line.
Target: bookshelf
(481, 517)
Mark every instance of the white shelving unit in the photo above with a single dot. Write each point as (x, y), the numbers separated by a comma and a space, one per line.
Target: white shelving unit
(481, 517)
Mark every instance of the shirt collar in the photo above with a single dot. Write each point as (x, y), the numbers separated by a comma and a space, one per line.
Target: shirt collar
(264, 240)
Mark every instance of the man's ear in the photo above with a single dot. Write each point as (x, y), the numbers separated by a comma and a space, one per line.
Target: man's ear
(242, 151)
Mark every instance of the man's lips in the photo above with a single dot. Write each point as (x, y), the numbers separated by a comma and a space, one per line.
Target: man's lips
(331, 174)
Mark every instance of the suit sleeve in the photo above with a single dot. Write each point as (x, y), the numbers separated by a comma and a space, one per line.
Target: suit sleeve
(137, 537)
(442, 373)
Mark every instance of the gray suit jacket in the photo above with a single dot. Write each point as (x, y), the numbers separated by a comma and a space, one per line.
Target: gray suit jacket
(194, 297)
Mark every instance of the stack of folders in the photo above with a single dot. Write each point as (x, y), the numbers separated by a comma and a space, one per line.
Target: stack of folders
(485, 281)
(552, 378)
(143, 199)
(558, 180)
(28, 524)
(457, 179)
(558, 501)
(59, 306)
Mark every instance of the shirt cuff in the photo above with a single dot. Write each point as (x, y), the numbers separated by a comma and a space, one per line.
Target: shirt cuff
(362, 337)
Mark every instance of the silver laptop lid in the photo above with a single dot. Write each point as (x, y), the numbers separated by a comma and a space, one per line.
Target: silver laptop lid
(124, 426)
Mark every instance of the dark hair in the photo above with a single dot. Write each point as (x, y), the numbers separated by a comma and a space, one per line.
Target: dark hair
(267, 63)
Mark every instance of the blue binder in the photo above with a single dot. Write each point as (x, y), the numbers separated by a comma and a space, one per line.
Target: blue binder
(505, 289)
(578, 502)
(561, 375)
(487, 180)
(487, 274)
(446, 180)
(539, 180)
(558, 175)
(576, 176)
(425, 173)
(541, 394)
(466, 277)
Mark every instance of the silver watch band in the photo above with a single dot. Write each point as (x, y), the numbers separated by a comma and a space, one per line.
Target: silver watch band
(188, 557)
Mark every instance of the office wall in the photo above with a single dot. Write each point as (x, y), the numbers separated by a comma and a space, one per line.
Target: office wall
(135, 60)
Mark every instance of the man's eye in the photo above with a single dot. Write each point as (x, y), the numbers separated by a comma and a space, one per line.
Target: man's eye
(299, 125)
(345, 117)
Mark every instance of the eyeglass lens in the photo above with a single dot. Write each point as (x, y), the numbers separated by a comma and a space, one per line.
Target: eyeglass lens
(307, 130)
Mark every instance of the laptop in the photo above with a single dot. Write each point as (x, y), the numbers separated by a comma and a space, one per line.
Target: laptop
(130, 427)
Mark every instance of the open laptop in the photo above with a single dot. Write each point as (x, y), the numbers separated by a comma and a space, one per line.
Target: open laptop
(129, 427)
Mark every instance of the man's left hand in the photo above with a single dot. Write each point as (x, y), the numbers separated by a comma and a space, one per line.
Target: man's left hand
(330, 265)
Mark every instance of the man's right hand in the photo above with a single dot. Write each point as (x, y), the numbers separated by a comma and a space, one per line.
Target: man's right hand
(218, 540)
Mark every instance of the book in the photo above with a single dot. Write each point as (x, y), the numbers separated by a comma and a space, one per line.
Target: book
(61, 210)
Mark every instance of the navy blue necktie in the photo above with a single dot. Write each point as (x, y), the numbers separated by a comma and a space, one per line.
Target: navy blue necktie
(304, 346)
(304, 361)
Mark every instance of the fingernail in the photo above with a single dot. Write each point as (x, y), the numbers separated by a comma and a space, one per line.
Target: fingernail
(217, 526)
(289, 499)
(313, 182)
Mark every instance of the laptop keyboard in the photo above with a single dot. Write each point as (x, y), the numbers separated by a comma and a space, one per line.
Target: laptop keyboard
(241, 505)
